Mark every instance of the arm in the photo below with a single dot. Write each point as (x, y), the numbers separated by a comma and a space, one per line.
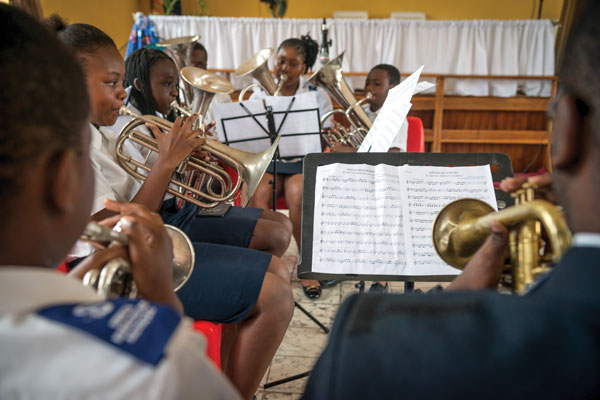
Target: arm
(485, 268)
(173, 147)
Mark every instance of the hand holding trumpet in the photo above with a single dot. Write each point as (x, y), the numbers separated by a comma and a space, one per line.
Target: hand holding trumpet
(149, 251)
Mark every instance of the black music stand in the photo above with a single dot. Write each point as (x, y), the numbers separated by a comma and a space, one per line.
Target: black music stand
(499, 162)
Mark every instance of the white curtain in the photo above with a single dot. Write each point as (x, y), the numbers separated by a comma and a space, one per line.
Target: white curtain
(472, 47)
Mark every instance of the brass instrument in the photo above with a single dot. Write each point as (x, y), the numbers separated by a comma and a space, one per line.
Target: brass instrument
(179, 50)
(257, 68)
(115, 278)
(462, 226)
(331, 78)
(250, 167)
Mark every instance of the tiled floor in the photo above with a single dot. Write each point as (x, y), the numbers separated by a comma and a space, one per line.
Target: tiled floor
(304, 340)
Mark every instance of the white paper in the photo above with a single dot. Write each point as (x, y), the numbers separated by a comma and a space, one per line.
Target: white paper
(234, 123)
(392, 115)
(357, 224)
(377, 220)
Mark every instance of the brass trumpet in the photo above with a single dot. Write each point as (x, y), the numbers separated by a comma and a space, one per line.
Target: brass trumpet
(462, 226)
(115, 278)
(257, 68)
(331, 78)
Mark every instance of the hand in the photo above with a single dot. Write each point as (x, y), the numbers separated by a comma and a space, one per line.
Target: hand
(150, 252)
(175, 146)
(484, 270)
(543, 182)
(97, 260)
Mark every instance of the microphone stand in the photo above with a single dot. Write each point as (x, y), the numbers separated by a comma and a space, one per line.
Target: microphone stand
(325, 43)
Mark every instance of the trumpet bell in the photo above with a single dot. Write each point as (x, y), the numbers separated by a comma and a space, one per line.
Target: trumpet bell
(204, 85)
(178, 41)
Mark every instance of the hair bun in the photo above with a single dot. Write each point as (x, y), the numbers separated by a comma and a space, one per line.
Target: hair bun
(312, 49)
(55, 23)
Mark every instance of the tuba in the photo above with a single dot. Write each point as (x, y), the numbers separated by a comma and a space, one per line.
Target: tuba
(257, 68)
(115, 278)
(331, 78)
(462, 226)
(179, 49)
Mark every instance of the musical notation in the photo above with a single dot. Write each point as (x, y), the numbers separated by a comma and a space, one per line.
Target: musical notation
(377, 220)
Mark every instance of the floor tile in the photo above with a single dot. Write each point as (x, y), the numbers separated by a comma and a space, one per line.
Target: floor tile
(283, 367)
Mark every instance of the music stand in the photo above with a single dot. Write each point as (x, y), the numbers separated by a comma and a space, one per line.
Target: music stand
(499, 162)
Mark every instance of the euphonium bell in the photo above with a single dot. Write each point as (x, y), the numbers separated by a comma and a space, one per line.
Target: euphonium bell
(115, 278)
(462, 226)
(331, 78)
(257, 68)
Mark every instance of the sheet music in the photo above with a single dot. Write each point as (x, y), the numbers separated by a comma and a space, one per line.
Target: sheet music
(357, 224)
(392, 115)
(300, 132)
(425, 191)
(376, 220)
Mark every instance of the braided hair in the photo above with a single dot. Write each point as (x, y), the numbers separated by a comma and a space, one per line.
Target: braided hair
(44, 100)
(138, 66)
(306, 47)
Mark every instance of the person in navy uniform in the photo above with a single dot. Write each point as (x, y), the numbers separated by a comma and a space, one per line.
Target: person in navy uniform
(481, 344)
(59, 339)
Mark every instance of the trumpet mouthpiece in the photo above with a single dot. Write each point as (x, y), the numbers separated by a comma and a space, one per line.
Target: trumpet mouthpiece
(123, 110)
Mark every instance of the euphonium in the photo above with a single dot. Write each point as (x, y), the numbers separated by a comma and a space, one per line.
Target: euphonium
(179, 49)
(257, 68)
(115, 278)
(462, 226)
(331, 78)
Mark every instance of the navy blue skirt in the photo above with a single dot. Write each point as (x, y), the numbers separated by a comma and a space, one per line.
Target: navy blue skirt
(287, 168)
(224, 284)
(235, 228)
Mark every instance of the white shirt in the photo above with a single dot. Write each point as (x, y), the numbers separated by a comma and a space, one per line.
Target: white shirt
(323, 100)
(50, 354)
(112, 182)
(402, 135)
(586, 239)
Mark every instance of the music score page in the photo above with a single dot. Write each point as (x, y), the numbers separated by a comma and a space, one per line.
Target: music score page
(377, 220)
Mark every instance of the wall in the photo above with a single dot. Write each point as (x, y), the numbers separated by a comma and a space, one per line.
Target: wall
(112, 16)
(434, 9)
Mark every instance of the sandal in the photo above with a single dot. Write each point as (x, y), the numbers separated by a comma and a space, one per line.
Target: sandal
(329, 283)
(376, 287)
(312, 292)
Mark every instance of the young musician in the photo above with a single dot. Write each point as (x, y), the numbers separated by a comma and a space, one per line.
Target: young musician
(59, 339)
(294, 58)
(380, 80)
(247, 289)
(466, 345)
(151, 78)
(199, 58)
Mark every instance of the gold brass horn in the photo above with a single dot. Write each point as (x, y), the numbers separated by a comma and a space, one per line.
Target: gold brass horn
(257, 68)
(250, 167)
(331, 78)
(462, 226)
(178, 49)
(115, 278)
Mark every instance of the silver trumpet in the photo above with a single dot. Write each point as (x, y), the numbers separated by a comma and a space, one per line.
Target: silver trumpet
(115, 278)
(257, 68)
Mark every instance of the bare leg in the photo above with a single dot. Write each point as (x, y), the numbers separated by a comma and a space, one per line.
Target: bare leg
(272, 234)
(260, 335)
(293, 198)
(263, 194)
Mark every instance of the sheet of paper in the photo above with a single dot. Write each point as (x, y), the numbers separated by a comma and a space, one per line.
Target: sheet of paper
(300, 133)
(357, 224)
(425, 191)
(391, 117)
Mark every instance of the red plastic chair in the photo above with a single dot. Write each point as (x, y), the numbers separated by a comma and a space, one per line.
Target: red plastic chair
(415, 141)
